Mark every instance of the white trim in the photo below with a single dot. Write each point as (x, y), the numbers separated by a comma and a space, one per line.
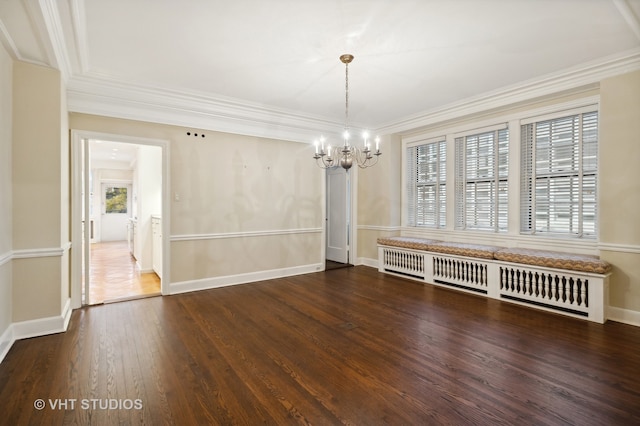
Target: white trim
(38, 327)
(79, 22)
(245, 234)
(10, 45)
(43, 326)
(564, 111)
(110, 181)
(379, 228)
(35, 328)
(514, 240)
(502, 280)
(41, 252)
(476, 130)
(581, 78)
(366, 261)
(627, 13)
(102, 95)
(420, 139)
(623, 248)
(469, 126)
(505, 240)
(7, 340)
(625, 316)
(6, 257)
(251, 277)
(77, 136)
(56, 38)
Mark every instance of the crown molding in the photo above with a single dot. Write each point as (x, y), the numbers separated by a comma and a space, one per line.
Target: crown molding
(584, 77)
(627, 13)
(13, 51)
(79, 25)
(8, 43)
(100, 95)
(49, 23)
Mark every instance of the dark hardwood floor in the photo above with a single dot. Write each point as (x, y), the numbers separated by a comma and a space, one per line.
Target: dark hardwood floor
(347, 346)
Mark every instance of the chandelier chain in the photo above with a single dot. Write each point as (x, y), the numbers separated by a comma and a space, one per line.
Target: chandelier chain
(346, 97)
(348, 154)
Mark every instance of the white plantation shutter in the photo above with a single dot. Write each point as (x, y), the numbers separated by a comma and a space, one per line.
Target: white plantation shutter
(559, 176)
(481, 180)
(426, 166)
(459, 184)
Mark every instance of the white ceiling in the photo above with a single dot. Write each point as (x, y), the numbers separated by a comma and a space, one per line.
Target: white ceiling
(108, 152)
(217, 63)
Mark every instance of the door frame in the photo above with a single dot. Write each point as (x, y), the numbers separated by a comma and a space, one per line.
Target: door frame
(80, 146)
(352, 206)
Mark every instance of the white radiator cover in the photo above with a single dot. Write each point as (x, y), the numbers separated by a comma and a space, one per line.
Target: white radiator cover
(576, 294)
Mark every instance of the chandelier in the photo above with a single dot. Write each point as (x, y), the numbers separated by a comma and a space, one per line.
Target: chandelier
(346, 154)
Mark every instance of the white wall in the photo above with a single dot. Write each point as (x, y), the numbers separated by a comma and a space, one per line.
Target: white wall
(100, 176)
(148, 198)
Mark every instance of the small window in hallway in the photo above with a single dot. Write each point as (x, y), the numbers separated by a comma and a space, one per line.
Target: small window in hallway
(115, 200)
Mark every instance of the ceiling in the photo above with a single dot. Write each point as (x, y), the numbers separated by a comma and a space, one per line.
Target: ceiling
(272, 67)
(108, 152)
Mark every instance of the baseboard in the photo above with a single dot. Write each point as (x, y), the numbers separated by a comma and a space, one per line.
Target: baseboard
(34, 328)
(6, 341)
(373, 263)
(625, 316)
(43, 326)
(228, 280)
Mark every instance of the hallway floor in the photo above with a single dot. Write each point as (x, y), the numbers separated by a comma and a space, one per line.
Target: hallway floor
(115, 276)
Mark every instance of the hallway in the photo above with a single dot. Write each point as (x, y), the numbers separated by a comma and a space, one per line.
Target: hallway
(114, 275)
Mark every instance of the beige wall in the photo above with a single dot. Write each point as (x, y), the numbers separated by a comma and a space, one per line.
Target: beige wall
(379, 198)
(6, 89)
(36, 157)
(619, 190)
(201, 259)
(40, 193)
(619, 193)
(244, 204)
(239, 204)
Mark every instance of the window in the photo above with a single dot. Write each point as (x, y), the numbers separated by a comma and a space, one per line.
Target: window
(559, 176)
(481, 180)
(115, 200)
(427, 175)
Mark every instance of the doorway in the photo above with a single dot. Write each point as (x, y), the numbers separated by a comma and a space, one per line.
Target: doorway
(119, 187)
(338, 219)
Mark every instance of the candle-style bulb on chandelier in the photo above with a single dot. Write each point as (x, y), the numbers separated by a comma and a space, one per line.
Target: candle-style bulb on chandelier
(346, 155)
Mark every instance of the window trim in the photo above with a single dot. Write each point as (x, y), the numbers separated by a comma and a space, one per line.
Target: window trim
(552, 105)
(408, 193)
(461, 179)
(527, 227)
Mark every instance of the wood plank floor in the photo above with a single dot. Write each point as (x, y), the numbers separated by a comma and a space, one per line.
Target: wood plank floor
(347, 346)
(114, 274)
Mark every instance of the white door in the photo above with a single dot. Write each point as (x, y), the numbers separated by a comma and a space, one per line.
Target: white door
(337, 248)
(116, 210)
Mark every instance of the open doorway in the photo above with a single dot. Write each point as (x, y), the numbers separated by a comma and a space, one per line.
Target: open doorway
(125, 190)
(119, 187)
(338, 219)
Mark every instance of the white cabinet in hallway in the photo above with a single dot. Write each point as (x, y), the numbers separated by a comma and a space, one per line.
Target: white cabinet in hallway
(156, 247)
(131, 236)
